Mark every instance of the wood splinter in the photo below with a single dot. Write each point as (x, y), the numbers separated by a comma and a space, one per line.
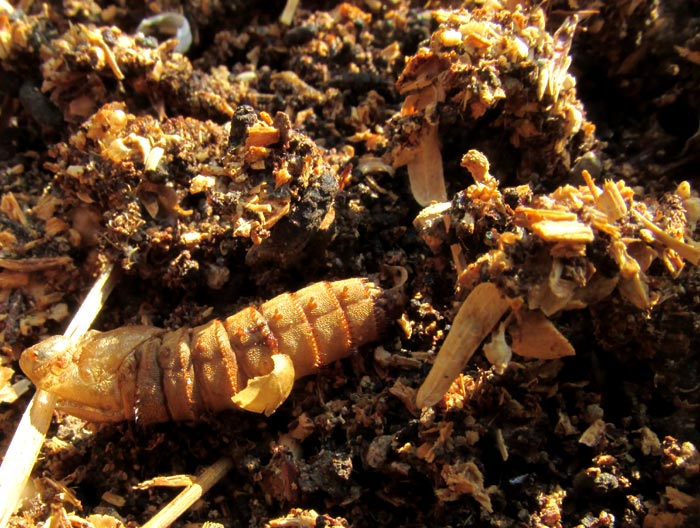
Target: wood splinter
(476, 318)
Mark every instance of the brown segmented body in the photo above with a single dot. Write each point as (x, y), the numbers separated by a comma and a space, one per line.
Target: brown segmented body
(248, 360)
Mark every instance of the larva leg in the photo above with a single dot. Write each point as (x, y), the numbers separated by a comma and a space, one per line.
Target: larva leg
(312, 327)
(265, 393)
(252, 341)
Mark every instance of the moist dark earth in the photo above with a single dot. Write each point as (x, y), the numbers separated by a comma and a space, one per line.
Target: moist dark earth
(271, 156)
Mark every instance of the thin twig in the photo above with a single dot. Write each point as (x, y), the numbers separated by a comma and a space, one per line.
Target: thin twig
(31, 431)
(191, 494)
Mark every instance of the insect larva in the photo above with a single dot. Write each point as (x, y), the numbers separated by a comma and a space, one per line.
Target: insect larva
(248, 360)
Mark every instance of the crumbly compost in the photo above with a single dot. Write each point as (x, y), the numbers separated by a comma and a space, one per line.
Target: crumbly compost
(538, 160)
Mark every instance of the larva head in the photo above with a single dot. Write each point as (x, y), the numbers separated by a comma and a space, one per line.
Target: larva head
(61, 367)
(49, 363)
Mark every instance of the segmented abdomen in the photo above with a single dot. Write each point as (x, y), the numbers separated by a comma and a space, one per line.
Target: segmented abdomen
(192, 370)
(179, 374)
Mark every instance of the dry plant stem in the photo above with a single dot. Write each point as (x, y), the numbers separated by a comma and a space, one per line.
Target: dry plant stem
(191, 494)
(20, 456)
(92, 304)
(476, 318)
(29, 436)
(287, 15)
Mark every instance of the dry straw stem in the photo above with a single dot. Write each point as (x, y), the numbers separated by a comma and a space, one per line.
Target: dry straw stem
(689, 251)
(191, 494)
(287, 15)
(476, 318)
(29, 437)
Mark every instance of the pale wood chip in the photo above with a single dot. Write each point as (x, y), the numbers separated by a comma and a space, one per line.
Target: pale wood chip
(113, 499)
(261, 135)
(651, 445)
(169, 481)
(425, 170)
(95, 38)
(534, 336)
(611, 201)
(531, 215)
(55, 225)
(476, 318)
(594, 434)
(689, 251)
(571, 231)
(11, 208)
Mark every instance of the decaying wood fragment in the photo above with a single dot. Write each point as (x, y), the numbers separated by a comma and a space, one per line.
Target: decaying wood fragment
(432, 223)
(456, 73)
(534, 336)
(464, 478)
(476, 318)
(545, 257)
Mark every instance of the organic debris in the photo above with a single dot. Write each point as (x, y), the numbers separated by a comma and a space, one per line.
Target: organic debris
(495, 69)
(541, 261)
(167, 194)
(270, 155)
